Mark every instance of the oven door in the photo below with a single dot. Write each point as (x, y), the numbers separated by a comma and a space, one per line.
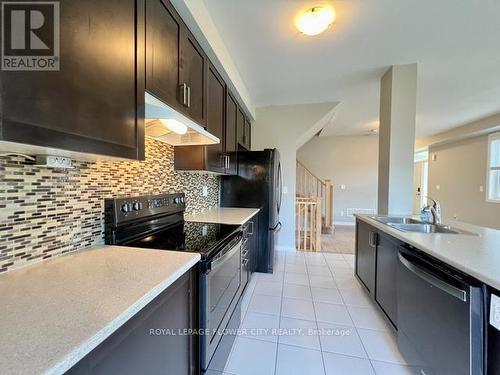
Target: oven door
(220, 291)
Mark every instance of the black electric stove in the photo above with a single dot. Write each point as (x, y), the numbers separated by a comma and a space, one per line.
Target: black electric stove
(203, 238)
(157, 223)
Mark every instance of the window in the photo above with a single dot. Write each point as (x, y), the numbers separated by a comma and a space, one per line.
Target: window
(494, 168)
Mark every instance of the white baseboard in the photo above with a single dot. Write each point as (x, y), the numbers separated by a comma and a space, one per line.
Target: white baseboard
(344, 223)
(285, 248)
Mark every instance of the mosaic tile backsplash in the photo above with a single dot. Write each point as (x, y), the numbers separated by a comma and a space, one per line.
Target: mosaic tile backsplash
(46, 212)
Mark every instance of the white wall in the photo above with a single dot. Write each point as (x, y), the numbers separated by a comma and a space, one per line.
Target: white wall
(345, 160)
(459, 170)
(284, 128)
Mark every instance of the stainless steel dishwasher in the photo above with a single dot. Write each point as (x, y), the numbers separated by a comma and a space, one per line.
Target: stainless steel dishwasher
(440, 317)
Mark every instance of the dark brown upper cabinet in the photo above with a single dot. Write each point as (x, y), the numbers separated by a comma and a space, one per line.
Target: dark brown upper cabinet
(93, 103)
(230, 140)
(240, 127)
(163, 34)
(219, 158)
(193, 73)
(243, 131)
(247, 142)
(176, 65)
(215, 120)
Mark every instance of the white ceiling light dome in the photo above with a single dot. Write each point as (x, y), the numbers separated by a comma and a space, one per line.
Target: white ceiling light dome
(315, 20)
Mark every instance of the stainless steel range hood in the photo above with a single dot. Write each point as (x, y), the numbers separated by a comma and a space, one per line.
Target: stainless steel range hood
(165, 124)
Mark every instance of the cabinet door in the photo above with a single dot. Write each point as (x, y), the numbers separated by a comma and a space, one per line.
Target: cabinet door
(132, 349)
(230, 139)
(240, 127)
(215, 120)
(366, 250)
(163, 30)
(90, 104)
(248, 134)
(387, 263)
(193, 72)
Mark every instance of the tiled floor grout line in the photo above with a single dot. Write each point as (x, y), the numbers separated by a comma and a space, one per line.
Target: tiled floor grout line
(316, 317)
(350, 316)
(357, 331)
(311, 267)
(279, 318)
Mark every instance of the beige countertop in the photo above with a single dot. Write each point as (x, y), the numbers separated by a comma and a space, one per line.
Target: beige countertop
(55, 312)
(477, 255)
(224, 215)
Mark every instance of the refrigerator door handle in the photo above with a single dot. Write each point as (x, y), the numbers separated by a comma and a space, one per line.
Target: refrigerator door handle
(280, 184)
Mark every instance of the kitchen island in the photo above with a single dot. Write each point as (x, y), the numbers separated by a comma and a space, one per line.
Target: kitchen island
(435, 284)
(476, 253)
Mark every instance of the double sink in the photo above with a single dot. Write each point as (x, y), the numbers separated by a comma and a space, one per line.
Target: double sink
(406, 224)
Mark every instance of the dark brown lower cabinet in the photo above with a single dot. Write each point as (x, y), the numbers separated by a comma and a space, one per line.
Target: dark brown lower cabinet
(153, 341)
(387, 264)
(366, 255)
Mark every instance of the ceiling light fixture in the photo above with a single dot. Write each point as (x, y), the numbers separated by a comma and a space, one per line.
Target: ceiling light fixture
(175, 126)
(315, 20)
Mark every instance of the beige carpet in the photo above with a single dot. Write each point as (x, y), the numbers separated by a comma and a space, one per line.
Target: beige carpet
(341, 241)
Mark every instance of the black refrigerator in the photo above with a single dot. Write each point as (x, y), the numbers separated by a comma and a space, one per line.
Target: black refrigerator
(258, 184)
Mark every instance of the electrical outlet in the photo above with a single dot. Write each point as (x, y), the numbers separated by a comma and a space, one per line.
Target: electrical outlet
(204, 191)
(204, 231)
(495, 312)
(481, 188)
(51, 161)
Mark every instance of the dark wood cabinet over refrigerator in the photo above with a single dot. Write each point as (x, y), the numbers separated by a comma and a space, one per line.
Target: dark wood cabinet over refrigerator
(93, 103)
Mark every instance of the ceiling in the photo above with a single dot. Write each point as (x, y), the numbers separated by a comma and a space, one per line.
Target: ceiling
(455, 43)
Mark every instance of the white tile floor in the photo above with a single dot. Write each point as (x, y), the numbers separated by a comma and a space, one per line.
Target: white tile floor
(312, 317)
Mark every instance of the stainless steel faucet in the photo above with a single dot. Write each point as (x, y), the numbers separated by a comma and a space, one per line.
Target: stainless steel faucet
(434, 209)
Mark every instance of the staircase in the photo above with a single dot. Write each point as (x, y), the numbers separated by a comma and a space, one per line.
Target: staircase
(313, 207)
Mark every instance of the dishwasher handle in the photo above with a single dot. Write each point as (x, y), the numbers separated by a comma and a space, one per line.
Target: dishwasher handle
(433, 280)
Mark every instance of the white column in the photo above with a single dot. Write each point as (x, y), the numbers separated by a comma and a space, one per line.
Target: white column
(398, 99)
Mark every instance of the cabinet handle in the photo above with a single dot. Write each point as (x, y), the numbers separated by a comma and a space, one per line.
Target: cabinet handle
(372, 239)
(188, 96)
(251, 231)
(183, 89)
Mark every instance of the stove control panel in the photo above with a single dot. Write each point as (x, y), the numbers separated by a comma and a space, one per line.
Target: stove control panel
(118, 210)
